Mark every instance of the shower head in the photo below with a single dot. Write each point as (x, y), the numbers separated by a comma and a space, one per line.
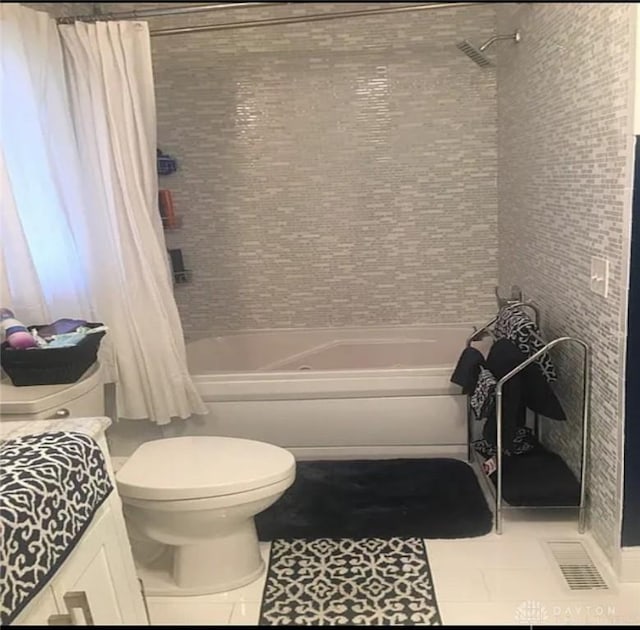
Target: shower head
(473, 53)
(477, 54)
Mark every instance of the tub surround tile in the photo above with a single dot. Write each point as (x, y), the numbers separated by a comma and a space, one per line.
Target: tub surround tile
(333, 173)
(62, 9)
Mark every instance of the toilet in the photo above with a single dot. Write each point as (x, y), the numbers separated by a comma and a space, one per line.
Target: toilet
(198, 495)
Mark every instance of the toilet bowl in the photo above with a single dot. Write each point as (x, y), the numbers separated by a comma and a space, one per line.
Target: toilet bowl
(198, 496)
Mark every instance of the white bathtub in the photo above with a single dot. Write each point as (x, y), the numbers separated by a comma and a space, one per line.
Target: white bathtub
(336, 393)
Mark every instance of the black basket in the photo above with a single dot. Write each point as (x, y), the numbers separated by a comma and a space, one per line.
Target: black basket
(51, 366)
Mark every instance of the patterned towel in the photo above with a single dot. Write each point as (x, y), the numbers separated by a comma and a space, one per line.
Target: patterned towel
(523, 442)
(473, 376)
(52, 484)
(516, 326)
(483, 397)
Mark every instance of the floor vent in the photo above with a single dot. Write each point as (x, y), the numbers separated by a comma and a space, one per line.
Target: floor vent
(577, 567)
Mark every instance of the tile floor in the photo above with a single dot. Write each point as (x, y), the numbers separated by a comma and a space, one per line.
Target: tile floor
(509, 579)
(490, 580)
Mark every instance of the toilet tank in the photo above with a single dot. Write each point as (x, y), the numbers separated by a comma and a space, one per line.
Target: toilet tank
(84, 398)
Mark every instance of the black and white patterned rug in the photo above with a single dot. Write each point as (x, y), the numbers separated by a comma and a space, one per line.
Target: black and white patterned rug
(365, 581)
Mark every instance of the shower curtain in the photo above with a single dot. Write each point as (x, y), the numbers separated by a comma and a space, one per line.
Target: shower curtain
(78, 148)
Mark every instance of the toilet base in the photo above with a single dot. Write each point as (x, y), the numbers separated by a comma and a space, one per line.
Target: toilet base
(161, 584)
(225, 563)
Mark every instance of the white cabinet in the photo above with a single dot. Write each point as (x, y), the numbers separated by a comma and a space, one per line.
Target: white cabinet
(40, 610)
(95, 573)
(94, 586)
(97, 583)
(84, 398)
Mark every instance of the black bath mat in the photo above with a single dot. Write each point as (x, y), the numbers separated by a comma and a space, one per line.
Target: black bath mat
(425, 498)
(367, 581)
(539, 478)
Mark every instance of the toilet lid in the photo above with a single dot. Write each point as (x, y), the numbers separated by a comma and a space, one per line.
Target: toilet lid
(200, 466)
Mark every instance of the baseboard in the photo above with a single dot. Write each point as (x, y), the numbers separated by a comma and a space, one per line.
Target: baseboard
(629, 564)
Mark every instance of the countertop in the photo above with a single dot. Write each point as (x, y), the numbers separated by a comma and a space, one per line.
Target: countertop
(93, 427)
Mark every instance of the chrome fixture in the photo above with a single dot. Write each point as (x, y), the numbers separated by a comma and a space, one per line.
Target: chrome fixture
(477, 54)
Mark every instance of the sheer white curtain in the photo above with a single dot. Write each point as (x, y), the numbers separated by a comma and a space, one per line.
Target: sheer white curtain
(99, 150)
(43, 269)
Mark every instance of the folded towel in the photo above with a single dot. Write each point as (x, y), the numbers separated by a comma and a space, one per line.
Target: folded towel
(61, 327)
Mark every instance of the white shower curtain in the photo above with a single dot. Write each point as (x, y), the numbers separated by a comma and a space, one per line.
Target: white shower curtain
(99, 143)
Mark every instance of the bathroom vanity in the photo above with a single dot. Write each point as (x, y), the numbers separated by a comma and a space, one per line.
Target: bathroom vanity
(84, 398)
(97, 582)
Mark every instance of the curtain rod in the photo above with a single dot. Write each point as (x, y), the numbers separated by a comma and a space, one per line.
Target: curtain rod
(265, 22)
(181, 10)
(312, 18)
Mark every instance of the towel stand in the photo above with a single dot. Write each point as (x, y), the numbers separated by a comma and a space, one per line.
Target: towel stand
(484, 328)
(586, 400)
(586, 410)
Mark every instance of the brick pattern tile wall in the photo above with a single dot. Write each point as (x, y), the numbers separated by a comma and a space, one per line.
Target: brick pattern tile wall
(338, 173)
(565, 147)
(61, 9)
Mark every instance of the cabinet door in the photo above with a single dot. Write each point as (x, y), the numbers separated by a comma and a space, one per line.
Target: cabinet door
(92, 585)
(39, 610)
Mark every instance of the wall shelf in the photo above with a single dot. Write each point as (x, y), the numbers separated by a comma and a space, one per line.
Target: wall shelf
(182, 277)
(170, 221)
(165, 164)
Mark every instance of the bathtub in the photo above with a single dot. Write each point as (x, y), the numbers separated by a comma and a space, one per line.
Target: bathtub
(336, 393)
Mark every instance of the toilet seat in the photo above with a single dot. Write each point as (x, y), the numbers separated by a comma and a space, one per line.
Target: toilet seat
(219, 503)
(195, 467)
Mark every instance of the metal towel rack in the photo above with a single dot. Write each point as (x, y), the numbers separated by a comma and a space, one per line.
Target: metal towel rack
(514, 301)
(586, 399)
(509, 305)
(484, 328)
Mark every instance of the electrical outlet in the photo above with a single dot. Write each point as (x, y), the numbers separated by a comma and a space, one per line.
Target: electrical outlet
(600, 276)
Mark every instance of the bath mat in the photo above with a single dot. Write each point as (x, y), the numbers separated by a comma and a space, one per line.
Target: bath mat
(366, 581)
(425, 498)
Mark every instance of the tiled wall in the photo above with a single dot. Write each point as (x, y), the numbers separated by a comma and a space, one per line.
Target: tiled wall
(565, 150)
(338, 173)
(61, 9)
